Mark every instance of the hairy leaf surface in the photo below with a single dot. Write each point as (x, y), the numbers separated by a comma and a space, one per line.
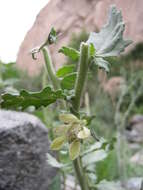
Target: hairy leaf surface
(109, 41)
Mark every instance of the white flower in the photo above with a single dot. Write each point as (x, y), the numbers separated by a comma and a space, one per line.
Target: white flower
(84, 133)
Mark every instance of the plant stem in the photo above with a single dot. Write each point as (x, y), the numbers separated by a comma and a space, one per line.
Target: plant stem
(51, 73)
(79, 87)
(50, 69)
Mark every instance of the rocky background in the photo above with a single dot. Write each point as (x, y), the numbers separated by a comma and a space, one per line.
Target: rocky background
(72, 16)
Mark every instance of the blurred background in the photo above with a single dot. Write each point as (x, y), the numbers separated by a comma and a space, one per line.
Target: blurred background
(115, 98)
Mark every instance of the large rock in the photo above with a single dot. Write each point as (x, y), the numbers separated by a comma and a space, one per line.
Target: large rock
(23, 147)
(72, 16)
(134, 130)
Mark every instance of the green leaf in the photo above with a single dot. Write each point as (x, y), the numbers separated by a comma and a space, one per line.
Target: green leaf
(53, 162)
(56, 183)
(52, 36)
(92, 50)
(62, 72)
(68, 81)
(58, 143)
(102, 63)
(74, 149)
(107, 168)
(24, 99)
(70, 52)
(89, 118)
(109, 41)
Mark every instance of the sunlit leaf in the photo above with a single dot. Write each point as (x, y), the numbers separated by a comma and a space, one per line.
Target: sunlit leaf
(92, 49)
(68, 118)
(70, 52)
(74, 149)
(24, 99)
(58, 143)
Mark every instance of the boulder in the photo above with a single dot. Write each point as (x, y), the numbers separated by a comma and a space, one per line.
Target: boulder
(23, 147)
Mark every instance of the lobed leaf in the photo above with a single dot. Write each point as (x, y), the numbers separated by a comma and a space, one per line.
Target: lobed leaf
(25, 99)
(70, 52)
(109, 41)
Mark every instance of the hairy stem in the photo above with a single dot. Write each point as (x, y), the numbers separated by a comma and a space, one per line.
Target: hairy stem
(81, 76)
(50, 69)
(79, 87)
(51, 73)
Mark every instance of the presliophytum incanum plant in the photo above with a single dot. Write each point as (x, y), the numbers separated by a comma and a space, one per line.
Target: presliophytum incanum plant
(68, 90)
(73, 131)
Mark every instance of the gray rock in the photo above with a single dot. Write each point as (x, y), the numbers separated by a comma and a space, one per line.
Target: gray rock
(23, 147)
(134, 132)
(134, 183)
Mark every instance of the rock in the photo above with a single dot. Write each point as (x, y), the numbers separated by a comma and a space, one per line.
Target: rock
(23, 147)
(134, 130)
(113, 86)
(134, 183)
(72, 16)
(137, 158)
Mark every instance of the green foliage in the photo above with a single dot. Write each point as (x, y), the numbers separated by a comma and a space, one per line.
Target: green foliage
(67, 69)
(107, 168)
(68, 81)
(56, 183)
(70, 52)
(52, 38)
(44, 98)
